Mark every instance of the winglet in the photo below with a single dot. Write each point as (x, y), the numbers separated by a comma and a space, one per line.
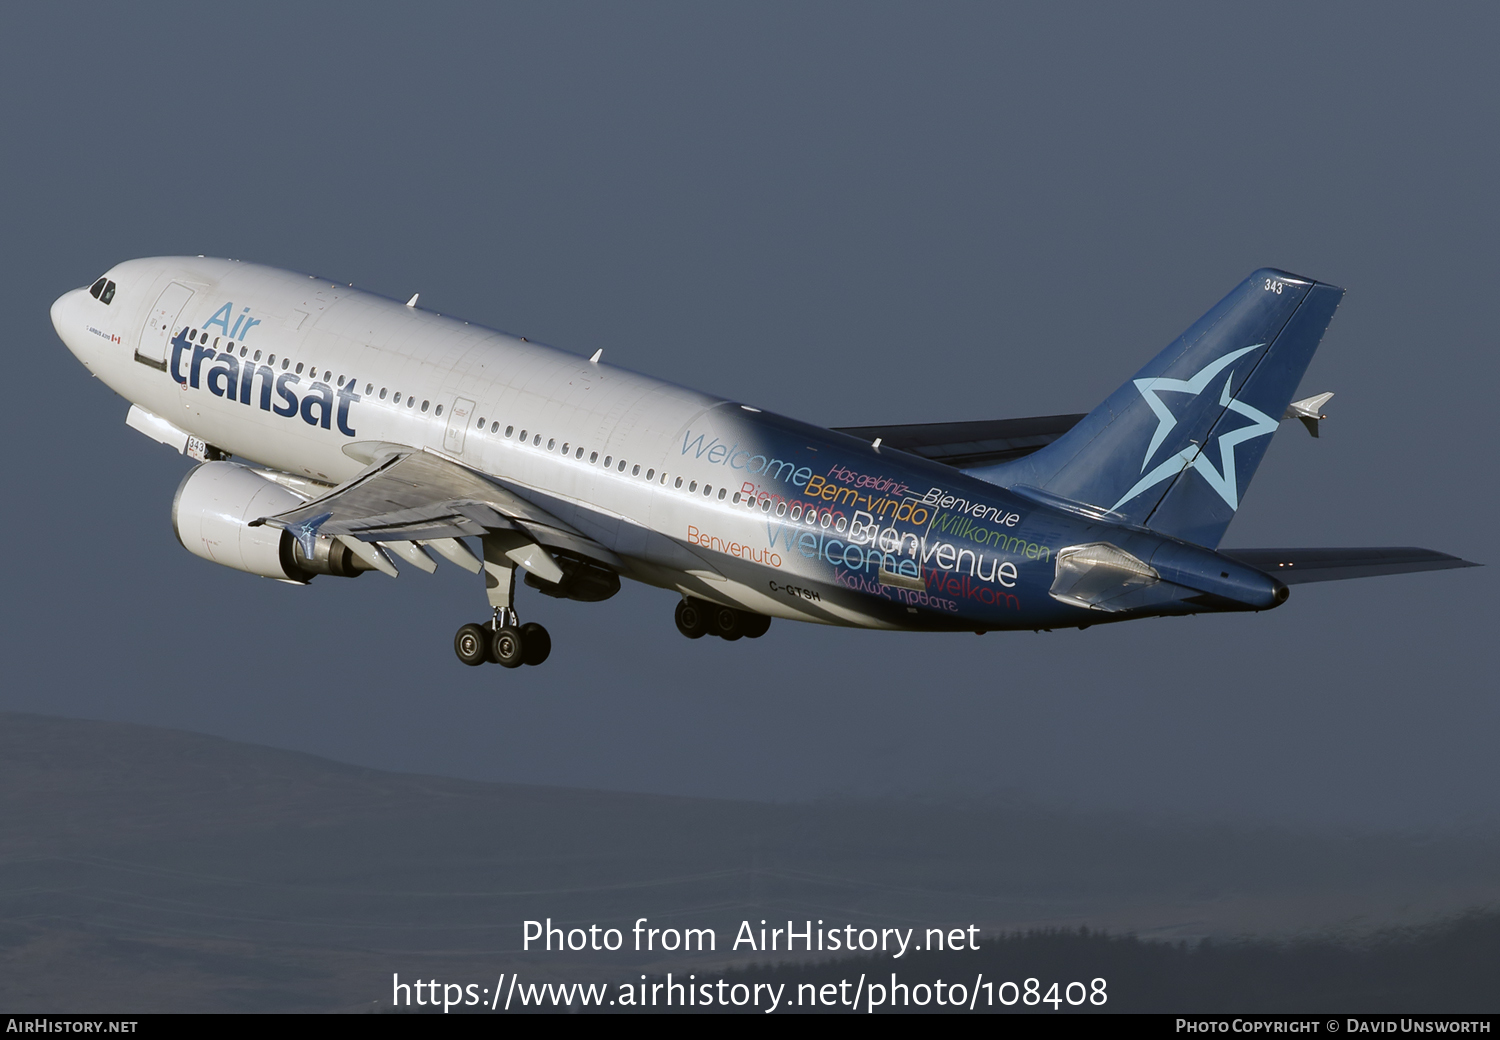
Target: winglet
(1309, 410)
(413, 301)
(306, 533)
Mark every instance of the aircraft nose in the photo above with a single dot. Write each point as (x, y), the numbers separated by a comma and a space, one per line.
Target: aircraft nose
(62, 307)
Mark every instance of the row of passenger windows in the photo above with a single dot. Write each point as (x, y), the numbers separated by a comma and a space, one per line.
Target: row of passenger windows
(812, 516)
(312, 372)
(610, 462)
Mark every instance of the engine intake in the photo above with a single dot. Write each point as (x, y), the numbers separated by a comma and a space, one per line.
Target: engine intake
(211, 515)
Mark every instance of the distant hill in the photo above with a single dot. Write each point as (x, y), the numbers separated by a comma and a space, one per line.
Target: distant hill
(1448, 967)
(152, 870)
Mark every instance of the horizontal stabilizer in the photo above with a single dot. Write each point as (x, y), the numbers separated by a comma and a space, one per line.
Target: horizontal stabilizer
(1299, 566)
(1309, 410)
(964, 444)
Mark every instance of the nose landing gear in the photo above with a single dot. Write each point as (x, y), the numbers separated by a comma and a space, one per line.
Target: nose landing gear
(696, 619)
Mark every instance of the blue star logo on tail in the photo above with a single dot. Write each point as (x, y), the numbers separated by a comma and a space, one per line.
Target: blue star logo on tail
(1223, 479)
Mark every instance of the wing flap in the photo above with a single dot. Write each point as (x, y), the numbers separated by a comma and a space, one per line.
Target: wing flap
(1301, 566)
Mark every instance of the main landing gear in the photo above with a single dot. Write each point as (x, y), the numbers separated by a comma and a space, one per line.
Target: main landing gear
(695, 618)
(503, 641)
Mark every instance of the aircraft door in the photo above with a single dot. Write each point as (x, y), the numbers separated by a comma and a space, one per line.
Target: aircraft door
(161, 325)
(458, 425)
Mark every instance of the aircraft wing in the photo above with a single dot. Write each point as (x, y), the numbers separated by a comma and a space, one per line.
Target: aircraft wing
(407, 495)
(965, 444)
(1299, 566)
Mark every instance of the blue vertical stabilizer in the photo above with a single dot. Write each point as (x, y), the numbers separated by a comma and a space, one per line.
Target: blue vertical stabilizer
(1175, 448)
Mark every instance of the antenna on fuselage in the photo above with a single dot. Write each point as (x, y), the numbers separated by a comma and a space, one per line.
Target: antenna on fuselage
(413, 301)
(594, 358)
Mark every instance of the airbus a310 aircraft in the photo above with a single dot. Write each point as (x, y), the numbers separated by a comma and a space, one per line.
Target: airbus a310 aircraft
(339, 431)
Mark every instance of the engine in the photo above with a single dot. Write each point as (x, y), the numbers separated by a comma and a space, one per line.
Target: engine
(211, 516)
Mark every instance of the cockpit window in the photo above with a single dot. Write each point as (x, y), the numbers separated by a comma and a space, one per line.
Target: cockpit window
(103, 290)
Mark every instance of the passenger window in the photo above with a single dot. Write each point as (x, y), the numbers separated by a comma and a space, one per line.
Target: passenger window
(396, 397)
(840, 524)
(621, 467)
(551, 443)
(410, 401)
(536, 442)
(736, 498)
(707, 490)
(635, 471)
(723, 491)
(781, 509)
(580, 453)
(796, 512)
(97, 288)
(424, 407)
(480, 424)
(567, 450)
(256, 359)
(651, 474)
(244, 351)
(203, 338)
(285, 363)
(496, 425)
(678, 484)
(523, 436)
(509, 430)
(382, 393)
(593, 457)
(692, 485)
(438, 410)
(369, 387)
(108, 293)
(765, 505)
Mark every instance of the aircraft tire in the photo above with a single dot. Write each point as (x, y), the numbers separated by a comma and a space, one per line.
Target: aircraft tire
(728, 623)
(756, 625)
(692, 619)
(471, 644)
(508, 647)
(536, 643)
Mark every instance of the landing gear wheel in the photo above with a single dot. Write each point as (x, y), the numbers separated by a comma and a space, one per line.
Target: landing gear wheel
(536, 643)
(755, 625)
(691, 618)
(470, 644)
(507, 647)
(728, 623)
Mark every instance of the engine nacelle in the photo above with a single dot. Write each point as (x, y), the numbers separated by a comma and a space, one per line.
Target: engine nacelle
(211, 516)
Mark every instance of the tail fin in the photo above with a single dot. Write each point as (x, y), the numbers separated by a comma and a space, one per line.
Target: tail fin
(1175, 448)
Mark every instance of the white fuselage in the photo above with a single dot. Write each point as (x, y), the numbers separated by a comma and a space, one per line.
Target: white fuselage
(394, 373)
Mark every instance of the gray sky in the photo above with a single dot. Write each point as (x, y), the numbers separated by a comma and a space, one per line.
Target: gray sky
(849, 213)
